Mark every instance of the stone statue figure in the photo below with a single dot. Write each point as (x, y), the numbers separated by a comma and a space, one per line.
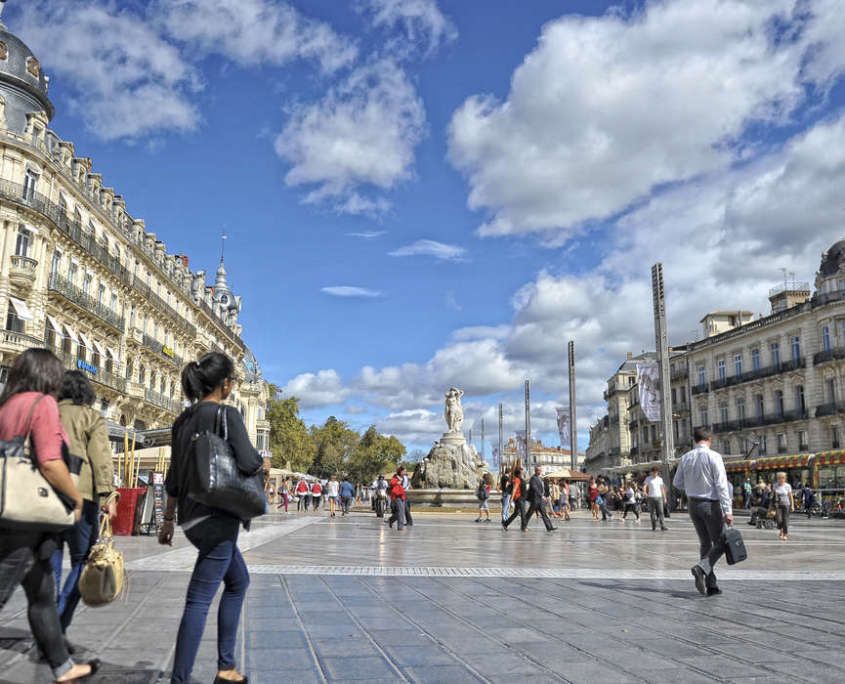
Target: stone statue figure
(454, 410)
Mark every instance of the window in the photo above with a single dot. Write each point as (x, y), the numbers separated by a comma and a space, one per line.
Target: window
(129, 370)
(826, 338)
(80, 352)
(720, 365)
(57, 262)
(29, 183)
(738, 365)
(86, 284)
(702, 373)
(831, 390)
(802, 440)
(13, 323)
(104, 406)
(800, 403)
(71, 272)
(723, 412)
(95, 358)
(161, 386)
(66, 341)
(141, 375)
(740, 408)
(755, 359)
(114, 302)
(23, 241)
(762, 445)
(781, 442)
(674, 396)
(759, 405)
(101, 294)
(774, 348)
(796, 348)
(834, 437)
(705, 417)
(779, 402)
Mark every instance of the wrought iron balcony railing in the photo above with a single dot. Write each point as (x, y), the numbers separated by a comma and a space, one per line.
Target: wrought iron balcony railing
(85, 301)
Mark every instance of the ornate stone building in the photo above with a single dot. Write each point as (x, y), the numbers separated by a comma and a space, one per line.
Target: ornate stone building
(83, 277)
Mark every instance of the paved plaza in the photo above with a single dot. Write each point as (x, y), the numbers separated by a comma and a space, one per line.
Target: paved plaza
(452, 601)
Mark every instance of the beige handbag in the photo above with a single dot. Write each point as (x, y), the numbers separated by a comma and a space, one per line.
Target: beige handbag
(104, 576)
(27, 500)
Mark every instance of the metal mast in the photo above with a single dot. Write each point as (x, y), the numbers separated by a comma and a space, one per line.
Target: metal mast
(661, 339)
(527, 424)
(573, 428)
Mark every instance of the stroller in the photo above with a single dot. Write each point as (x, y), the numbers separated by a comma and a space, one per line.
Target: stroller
(760, 518)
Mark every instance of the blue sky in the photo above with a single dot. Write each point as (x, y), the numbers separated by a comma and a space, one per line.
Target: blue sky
(487, 179)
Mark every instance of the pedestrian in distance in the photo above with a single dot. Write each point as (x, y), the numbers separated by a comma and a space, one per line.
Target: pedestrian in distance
(808, 500)
(397, 500)
(746, 494)
(536, 500)
(482, 493)
(564, 499)
(212, 531)
(506, 488)
(593, 495)
(316, 494)
(603, 493)
(347, 496)
(332, 492)
(517, 499)
(784, 502)
(630, 502)
(701, 474)
(554, 498)
(406, 485)
(28, 407)
(302, 494)
(655, 490)
(284, 489)
(89, 440)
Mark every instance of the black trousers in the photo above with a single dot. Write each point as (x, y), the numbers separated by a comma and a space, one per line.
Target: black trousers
(409, 521)
(518, 510)
(538, 507)
(708, 519)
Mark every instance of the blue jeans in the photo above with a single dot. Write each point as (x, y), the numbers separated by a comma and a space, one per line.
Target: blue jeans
(79, 539)
(219, 560)
(506, 505)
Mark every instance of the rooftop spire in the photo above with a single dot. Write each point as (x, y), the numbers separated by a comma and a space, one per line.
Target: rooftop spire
(2, 5)
(223, 236)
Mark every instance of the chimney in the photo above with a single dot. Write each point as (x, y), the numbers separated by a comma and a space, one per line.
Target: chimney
(630, 355)
(185, 261)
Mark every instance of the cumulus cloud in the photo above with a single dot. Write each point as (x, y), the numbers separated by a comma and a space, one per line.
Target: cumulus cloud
(438, 250)
(361, 135)
(126, 80)
(606, 109)
(320, 389)
(421, 21)
(350, 291)
(253, 32)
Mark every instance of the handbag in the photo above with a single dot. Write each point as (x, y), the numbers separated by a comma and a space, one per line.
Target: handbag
(216, 481)
(104, 576)
(734, 546)
(27, 500)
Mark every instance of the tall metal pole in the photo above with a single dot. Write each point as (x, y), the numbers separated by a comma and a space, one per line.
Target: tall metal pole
(501, 439)
(661, 340)
(482, 439)
(527, 424)
(573, 426)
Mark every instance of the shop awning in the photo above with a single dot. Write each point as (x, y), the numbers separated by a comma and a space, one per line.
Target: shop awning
(100, 349)
(71, 334)
(113, 354)
(85, 341)
(56, 325)
(21, 309)
(826, 458)
(782, 462)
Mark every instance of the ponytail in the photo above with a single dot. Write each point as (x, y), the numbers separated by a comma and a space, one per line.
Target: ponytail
(201, 378)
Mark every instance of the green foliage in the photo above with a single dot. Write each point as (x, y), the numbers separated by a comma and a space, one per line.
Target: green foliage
(329, 449)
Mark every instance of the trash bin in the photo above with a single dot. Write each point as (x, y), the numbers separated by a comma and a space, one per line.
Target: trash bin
(124, 523)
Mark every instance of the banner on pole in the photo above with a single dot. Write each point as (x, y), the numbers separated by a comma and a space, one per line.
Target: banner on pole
(496, 457)
(520, 443)
(563, 425)
(648, 378)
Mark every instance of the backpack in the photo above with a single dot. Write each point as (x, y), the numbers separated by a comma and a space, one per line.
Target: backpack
(482, 494)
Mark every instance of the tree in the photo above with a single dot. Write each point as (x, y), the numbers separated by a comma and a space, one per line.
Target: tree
(374, 454)
(289, 438)
(334, 441)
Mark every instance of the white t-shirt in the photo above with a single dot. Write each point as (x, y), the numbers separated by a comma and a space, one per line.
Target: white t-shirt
(654, 486)
(782, 493)
(332, 488)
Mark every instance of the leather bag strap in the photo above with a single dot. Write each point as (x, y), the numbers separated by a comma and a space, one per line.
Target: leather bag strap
(29, 416)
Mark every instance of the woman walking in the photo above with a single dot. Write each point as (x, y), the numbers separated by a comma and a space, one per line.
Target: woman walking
(284, 488)
(564, 499)
(784, 504)
(483, 496)
(397, 500)
(89, 440)
(302, 495)
(214, 532)
(332, 489)
(28, 407)
(316, 495)
(593, 494)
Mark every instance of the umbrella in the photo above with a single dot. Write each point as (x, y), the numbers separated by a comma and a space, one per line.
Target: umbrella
(566, 474)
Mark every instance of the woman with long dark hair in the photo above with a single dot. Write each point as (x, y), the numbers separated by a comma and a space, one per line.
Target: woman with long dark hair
(89, 440)
(214, 532)
(28, 405)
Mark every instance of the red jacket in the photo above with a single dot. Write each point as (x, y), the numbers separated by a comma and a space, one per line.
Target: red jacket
(397, 491)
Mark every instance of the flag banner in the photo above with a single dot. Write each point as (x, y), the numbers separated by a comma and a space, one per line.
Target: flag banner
(520, 443)
(648, 378)
(563, 425)
(496, 457)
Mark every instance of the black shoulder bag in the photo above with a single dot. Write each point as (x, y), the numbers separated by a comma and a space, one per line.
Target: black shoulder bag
(216, 480)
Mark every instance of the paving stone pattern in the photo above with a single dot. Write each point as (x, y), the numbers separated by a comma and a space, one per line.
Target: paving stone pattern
(445, 619)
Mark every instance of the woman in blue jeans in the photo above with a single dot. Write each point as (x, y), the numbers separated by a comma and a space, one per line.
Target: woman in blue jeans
(214, 532)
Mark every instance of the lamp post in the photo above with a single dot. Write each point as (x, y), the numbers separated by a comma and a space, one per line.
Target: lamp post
(661, 339)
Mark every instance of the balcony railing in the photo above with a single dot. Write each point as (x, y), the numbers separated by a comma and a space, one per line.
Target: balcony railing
(834, 354)
(20, 341)
(86, 302)
(760, 373)
(830, 408)
(23, 269)
(679, 373)
(158, 347)
(161, 401)
(700, 389)
(101, 376)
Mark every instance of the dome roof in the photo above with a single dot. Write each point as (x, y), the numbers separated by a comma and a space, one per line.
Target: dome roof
(20, 69)
(832, 259)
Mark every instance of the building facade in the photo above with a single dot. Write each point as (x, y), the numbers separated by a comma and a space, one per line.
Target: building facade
(549, 458)
(83, 277)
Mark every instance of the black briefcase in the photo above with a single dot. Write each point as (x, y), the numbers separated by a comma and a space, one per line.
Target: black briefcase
(734, 546)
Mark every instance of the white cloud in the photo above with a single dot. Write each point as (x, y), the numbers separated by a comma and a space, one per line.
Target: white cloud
(254, 32)
(421, 21)
(368, 234)
(126, 81)
(362, 134)
(417, 426)
(438, 250)
(350, 291)
(606, 109)
(320, 389)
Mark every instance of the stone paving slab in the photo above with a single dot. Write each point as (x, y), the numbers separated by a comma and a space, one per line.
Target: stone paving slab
(564, 608)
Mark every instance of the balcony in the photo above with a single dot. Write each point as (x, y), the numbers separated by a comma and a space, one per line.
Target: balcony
(93, 373)
(830, 409)
(85, 302)
(759, 421)
(759, 374)
(159, 348)
(22, 271)
(19, 341)
(834, 354)
(700, 389)
(634, 451)
(161, 401)
(679, 374)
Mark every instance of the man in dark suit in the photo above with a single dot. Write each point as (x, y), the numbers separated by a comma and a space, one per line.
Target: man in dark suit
(536, 492)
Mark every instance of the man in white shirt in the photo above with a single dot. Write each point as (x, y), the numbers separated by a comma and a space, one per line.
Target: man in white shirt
(656, 492)
(701, 474)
